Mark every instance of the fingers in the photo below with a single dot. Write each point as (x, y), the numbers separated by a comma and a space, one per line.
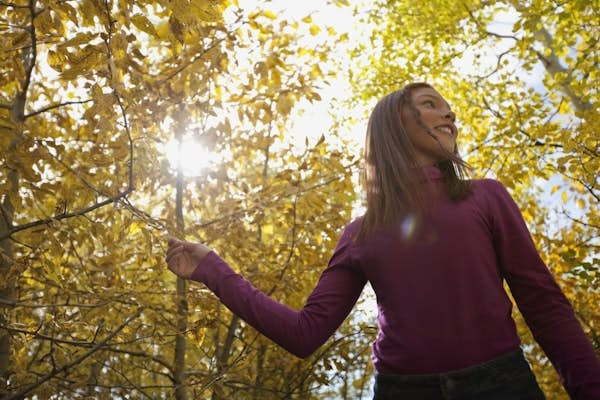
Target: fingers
(182, 257)
(180, 243)
(173, 241)
(174, 251)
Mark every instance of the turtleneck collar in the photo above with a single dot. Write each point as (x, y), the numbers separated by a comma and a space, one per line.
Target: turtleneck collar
(432, 172)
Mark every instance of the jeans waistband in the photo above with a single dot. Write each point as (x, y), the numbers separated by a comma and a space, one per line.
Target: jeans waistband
(505, 361)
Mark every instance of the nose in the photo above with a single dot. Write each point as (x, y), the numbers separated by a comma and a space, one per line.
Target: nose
(451, 116)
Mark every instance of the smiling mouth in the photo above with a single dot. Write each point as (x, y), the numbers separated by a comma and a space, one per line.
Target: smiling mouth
(445, 129)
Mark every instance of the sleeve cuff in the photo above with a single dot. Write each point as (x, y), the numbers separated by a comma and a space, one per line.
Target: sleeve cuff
(204, 266)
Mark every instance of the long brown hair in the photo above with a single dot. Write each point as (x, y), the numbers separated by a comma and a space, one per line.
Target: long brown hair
(392, 178)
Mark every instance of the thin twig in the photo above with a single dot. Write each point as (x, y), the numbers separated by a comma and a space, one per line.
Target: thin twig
(53, 106)
(13, 5)
(21, 393)
(49, 305)
(79, 213)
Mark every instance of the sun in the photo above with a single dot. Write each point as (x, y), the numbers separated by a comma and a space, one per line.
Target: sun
(194, 158)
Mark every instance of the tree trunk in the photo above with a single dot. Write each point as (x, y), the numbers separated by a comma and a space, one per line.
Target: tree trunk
(7, 288)
(258, 381)
(553, 67)
(225, 351)
(182, 305)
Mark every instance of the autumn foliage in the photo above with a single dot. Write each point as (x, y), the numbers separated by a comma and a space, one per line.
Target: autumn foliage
(93, 91)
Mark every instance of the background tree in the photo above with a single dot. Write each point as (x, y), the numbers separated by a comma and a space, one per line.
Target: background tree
(92, 92)
(523, 78)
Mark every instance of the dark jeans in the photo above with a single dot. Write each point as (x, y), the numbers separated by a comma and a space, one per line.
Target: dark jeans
(507, 377)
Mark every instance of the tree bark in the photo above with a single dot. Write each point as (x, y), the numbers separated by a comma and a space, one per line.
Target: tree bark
(553, 67)
(7, 288)
(182, 305)
(258, 381)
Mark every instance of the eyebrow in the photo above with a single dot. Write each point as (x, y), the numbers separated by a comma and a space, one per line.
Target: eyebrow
(438, 98)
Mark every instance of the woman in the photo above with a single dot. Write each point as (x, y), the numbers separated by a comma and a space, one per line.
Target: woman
(436, 249)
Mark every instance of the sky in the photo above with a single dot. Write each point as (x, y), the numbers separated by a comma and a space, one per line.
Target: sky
(315, 119)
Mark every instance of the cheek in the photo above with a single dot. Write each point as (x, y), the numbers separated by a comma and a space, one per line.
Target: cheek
(428, 114)
(410, 124)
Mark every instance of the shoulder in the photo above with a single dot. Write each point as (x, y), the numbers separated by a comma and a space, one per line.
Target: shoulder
(488, 184)
(492, 196)
(497, 200)
(350, 231)
(347, 237)
(489, 189)
(343, 254)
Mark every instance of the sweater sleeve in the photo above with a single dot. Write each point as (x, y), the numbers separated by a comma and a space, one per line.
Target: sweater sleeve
(545, 308)
(299, 332)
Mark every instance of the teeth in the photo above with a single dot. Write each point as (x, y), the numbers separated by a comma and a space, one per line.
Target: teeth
(444, 129)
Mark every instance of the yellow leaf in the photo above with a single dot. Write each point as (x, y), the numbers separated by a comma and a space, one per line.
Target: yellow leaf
(143, 24)
(314, 29)
(565, 197)
(80, 38)
(316, 72)
(275, 77)
(88, 12)
(269, 14)
(43, 21)
(199, 335)
(163, 30)
(205, 10)
(56, 60)
(267, 229)
(134, 228)
(564, 108)
(284, 104)
(70, 11)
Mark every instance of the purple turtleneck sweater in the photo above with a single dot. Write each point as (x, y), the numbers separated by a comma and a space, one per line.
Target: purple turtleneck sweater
(440, 296)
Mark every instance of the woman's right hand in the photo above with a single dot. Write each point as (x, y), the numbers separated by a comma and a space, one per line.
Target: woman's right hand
(184, 257)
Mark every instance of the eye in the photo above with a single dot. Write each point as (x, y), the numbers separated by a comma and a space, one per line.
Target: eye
(429, 103)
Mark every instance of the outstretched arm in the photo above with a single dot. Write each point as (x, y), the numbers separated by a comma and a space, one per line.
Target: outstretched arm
(545, 308)
(299, 332)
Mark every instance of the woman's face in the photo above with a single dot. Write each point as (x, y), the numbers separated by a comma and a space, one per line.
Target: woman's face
(435, 138)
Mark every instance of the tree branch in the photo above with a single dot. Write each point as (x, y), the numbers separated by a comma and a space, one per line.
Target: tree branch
(157, 360)
(498, 35)
(291, 251)
(30, 61)
(13, 5)
(79, 213)
(191, 62)
(133, 385)
(36, 334)
(6, 216)
(32, 305)
(53, 106)
(497, 68)
(116, 92)
(553, 66)
(21, 393)
(235, 214)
